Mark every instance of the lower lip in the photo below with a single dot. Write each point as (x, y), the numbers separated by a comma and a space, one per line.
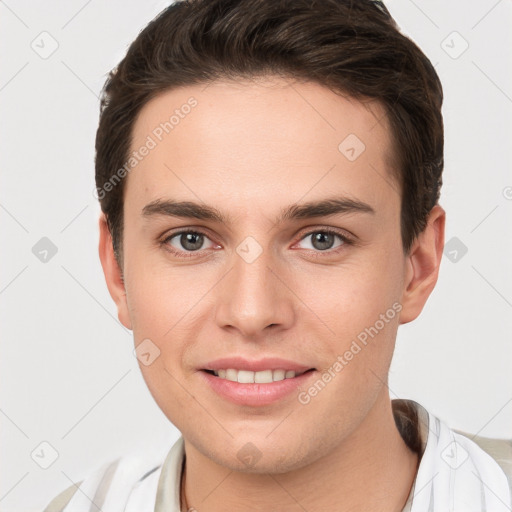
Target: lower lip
(255, 394)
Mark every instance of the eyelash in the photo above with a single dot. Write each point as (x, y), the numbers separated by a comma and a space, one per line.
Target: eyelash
(316, 254)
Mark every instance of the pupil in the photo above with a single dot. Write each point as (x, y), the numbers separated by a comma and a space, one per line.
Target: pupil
(190, 241)
(323, 240)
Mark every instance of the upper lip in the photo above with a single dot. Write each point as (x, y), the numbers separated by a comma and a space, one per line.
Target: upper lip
(268, 363)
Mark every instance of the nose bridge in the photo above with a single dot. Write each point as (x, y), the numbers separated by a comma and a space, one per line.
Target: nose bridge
(252, 298)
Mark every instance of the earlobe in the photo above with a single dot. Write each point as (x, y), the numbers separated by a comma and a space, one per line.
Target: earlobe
(422, 265)
(113, 274)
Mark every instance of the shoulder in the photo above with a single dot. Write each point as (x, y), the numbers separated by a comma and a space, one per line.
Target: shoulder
(114, 483)
(498, 449)
(61, 500)
(456, 471)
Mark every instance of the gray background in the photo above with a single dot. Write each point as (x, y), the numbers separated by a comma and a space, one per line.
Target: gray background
(68, 374)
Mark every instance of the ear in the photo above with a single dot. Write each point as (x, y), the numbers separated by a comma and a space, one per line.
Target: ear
(113, 274)
(422, 265)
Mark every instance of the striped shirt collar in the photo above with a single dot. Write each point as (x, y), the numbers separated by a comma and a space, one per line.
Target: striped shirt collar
(454, 474)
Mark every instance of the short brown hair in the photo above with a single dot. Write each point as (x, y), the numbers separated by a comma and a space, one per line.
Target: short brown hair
(352, 47)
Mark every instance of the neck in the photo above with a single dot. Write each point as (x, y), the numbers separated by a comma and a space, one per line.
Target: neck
(372, 469)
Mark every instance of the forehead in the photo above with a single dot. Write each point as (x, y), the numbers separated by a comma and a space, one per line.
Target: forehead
(241, 141)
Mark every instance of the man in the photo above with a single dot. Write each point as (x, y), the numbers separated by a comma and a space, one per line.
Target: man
(269, 176)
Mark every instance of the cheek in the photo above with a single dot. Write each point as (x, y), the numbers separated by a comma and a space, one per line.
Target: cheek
(354, 298)
(157, 295)
(361, 306)
(355, 359)
(161, 309)
(170, 307)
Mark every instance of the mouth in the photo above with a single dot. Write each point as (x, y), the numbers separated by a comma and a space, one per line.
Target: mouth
(256, 377)
(255, 382)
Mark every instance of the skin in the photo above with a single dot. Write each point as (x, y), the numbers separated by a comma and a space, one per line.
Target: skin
(251, 149)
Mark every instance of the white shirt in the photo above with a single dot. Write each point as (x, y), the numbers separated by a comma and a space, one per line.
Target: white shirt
(454, 475)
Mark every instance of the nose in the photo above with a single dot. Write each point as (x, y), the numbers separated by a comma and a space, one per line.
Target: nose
(253, 297)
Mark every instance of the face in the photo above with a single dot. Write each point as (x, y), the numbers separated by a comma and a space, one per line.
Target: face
(262, 234)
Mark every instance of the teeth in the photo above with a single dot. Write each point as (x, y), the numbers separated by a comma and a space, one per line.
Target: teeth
(245, 377)
(278, 375)
(248, 377)
(232, 375)
(263, 377)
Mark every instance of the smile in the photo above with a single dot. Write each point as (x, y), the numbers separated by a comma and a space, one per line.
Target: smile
(256, 388)
(259, 377)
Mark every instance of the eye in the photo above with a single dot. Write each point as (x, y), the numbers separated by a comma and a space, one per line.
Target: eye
(186, 242)
(324, 239)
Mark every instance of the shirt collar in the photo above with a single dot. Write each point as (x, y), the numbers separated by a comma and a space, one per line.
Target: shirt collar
(423, 433)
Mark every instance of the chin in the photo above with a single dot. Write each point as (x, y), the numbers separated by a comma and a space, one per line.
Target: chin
(259, 455)
(263, 463)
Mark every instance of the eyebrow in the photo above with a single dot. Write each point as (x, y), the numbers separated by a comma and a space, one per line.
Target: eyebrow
(324, 208)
